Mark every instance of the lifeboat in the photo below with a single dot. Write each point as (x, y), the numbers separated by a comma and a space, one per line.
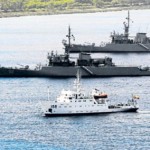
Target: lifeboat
(101, 95)
(135, 97)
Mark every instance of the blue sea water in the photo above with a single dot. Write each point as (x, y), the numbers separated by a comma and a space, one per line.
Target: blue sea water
(26, 40)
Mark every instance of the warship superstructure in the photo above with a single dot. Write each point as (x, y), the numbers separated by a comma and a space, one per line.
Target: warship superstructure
(120, 43)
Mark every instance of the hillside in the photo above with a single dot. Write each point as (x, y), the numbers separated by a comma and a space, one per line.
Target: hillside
(33, 7)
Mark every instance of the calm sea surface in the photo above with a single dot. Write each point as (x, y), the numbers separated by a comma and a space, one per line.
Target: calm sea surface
(26, 41)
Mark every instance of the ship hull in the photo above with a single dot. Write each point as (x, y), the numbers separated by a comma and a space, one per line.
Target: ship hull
(70, 71)
(91, 113)
(92, 71)
(111, 48)
(11, 72)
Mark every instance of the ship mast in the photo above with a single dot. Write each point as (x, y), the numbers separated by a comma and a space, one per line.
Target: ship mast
(127, 26)
(77, 83)
(69, 40)
(128, 18)
(69, 36)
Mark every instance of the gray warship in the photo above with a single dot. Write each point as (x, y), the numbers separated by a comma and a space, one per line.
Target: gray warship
(120, 43)
(63, 66)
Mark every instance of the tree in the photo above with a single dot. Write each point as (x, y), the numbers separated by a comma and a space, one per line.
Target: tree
(114, 2)
(98, 3)
(5, 5)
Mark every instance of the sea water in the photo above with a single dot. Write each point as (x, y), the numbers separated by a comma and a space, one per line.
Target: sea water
(26, 41)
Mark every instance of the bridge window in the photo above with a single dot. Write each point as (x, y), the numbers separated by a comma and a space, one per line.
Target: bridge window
(76, 96)
(50, 110)
(54, 106)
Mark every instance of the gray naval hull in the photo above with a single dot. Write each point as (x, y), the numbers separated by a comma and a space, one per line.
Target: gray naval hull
(12, 72)
(92, 71)
(70, 71)
(111, 48)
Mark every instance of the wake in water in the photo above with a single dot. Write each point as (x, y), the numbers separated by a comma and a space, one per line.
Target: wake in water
(144, 111)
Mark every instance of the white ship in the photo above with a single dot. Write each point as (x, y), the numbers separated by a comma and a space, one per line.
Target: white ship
(77, 102)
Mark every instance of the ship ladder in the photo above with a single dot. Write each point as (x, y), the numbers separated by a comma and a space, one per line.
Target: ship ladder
(87, 70)
(142, 45)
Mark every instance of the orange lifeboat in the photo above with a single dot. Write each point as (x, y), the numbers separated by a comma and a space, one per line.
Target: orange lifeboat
(135, 97)
(101, 95)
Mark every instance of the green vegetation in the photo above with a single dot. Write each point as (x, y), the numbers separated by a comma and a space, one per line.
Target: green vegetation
(65, 6)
